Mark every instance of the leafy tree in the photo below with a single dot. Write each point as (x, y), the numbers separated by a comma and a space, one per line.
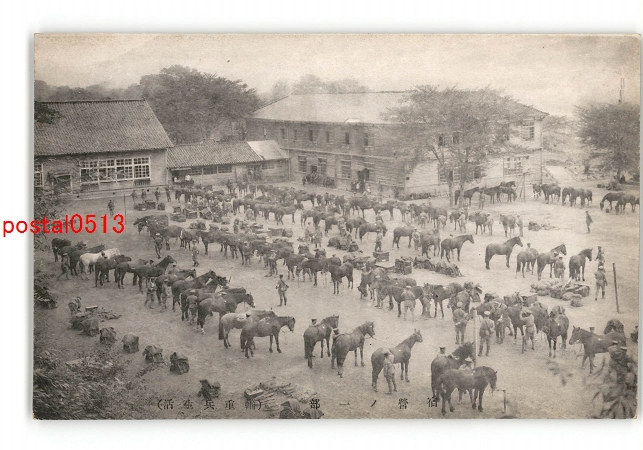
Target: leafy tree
(613, 127)
(190, 104)
(312, 84)
(467, 120)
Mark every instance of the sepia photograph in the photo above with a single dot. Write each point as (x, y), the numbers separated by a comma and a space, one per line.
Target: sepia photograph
(334, 226)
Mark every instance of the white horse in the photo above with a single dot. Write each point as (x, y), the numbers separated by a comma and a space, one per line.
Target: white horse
(89, 259)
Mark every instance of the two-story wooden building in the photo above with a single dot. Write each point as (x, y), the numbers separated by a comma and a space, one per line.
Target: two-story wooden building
(349, 137)
(82, 146)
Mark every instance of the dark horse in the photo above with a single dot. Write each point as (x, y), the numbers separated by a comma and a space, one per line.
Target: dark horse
(475, 382)
(501, 249)
(577, 264)
(526, 259)
(614, 325)
(456, 243)
(270, 326)
(442, 363)
(316, 333)
(594, 343)
(549, 258)
(556, 325)
(349, 342)
(401, 354)
(339, 272)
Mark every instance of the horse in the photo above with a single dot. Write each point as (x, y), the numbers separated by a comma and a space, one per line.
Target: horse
(198, 282)
(624, 200)
(544, 259)
(151, 271)
(339, 272)
(442, 363)
(439, 293)
(501, 249)
(344, 343)
(89, 259)
(263, 328)
(103, 265)
(611, 197)
(556, 325)
(232, 321)
(401, 354)
(181, 274)
(57, 244)
(316, 333)
(456, 243)
(312, 266)
(475, 382)
(480, 219)
(371, 228)
(577, 264)
(508, 223)
(593, 343)
(614, 325)
(222, 302)
(400, 232)
(430, 239)
(526, 259)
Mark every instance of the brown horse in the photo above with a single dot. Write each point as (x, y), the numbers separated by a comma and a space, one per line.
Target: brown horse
(556, 325)
(475, 381)
(262, 328)
(442, 363)
(614, 325)
(577, 264)
(399, 232)
(501, 249)
(232, 321)
(401, 354)
(221, 302)
(349, 342)
(544, 259)
(316, 333)
(526, 259)
(593, 343)
(508, 223)
(456, 243)
(339, 272)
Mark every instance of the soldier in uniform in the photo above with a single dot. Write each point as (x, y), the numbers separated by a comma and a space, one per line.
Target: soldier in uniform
(409, 302)
(601, 281)
(157, 195)
(600, 256)
(486, 330)
(460, 322)
(530, 327)
(519, 223)
(559, 268)
(158, 244)
(151, 290)
(193, 305)
(389, 371)
(378, 241)
(588, 220)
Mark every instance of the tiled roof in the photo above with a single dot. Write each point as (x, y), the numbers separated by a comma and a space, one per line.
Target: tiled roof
(99, 127)
(365, 107)
(267, 149)
(211, 153)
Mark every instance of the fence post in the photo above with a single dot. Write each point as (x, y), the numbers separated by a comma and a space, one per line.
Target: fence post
(615, 287)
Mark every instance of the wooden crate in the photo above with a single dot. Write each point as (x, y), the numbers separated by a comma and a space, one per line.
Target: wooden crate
(381, 256)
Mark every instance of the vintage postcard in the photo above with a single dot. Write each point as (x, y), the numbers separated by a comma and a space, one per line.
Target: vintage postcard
(335, 226)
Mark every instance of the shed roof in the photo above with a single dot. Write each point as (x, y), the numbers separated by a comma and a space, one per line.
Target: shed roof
(79, 127)
(213, 153)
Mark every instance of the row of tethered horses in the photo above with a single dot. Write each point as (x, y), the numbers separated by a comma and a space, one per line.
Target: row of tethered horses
(380, 283)
(579, 196)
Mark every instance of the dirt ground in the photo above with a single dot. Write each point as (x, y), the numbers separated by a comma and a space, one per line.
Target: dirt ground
(525, 381)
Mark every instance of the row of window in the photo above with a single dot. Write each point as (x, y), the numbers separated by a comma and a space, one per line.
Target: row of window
(449, 174)
(211, 170)
(313, 136)
(322, 166)
(109, 170)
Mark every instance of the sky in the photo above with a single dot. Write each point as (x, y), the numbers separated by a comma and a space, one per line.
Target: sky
(553, 73)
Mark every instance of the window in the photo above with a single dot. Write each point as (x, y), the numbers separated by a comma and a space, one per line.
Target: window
(225, 169)
(322, 166)
(195, 171)
(328, 136)
(528, 131)
(346, 168)
(209, 170)
(302, 163)
(347, 138)
(311, 135)
(283, 134)
(513, 165)
(294, 134)
(37, 174)
(268, 165)
(365, 139)
(456, 138)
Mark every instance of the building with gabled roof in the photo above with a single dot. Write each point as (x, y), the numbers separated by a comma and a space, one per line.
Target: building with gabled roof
(352, 139)
(82, 146)
(215, 162)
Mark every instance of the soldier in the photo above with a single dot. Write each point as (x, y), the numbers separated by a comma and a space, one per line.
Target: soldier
(460, 322)
(195, 253)
(486, 330)
(416, 239)
(158, 244)
(530, 328)
(559, 268)
(468, 365)
(143, 195)
(600, 256)
(282, 287)
(151, 290)
(318, 236)
(601, 281)
(193, 305)
(389, 371)
(64, 266)
(588, 220)
(165, 294)
(167, 194)
(134, 196)
(272, 263)
(157, 195)
(110, 207)
(520, 225)
(409, 302)
(378, 241)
